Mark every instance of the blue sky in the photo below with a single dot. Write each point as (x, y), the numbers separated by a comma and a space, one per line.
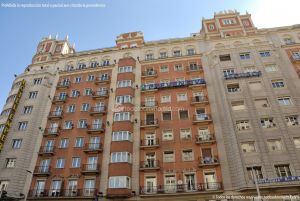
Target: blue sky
(91, 28)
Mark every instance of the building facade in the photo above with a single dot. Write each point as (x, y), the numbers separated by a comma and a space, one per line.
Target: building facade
(177, 119)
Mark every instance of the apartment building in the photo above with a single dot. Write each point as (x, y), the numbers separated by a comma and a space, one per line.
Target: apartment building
(176, 119)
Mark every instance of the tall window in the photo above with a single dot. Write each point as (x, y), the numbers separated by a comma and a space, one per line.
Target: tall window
(37, 81)
(16, 144)
(33, 94)
(76, 162)
(79, 142)
(283, 170)
(71, 108)
(85, 107)
(28, 109)
(64, 143)
(60, 163)
(22, 126)
(256, 170)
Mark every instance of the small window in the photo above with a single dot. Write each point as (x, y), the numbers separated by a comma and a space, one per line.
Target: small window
(181, 97)
(267, 123)
(119, 182)
(245, 55)
(77, 80)
(183, 115)
(176, 53)
(76, 162)
(149, 57)
(125, 69)
(225, 57)
(64, 143)
(284, 101)
(191, 52)
(75, 93)
(187, 155)
(178, 67)
(169, 156)
(265, 53)
(248, 147)
(60, 163)
(87, 92)
(16, 144)
(165, 99)
(33, 94)
(79, 142)
(185, 133)
(120, 157)
(121, 136)
(164, 69)
(167, 115)
(163, 55)
(28, 109)
(22, 126)
(229, 21)
(256, 170)
(283, 170)
(71, 108)
(277, 84)
(68, 124)
(243, 125)
(275, 145)
(232, 88)
(228, 72)
(37, 81)
(85, 107)
(82, 123)
(167, 135)
(124, 83)
(238, 105)
(90, 78)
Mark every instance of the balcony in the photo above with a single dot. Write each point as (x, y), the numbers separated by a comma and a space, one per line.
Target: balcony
(100, 94)
(194, 68)
(52, 131)
(92, 148)
(90, 169)
(102, 80)
(199, 100)
(62, 193)
(41, 171)
(149, 73)
(46, 151)
(205, 139)
(59, 99)
(202, 118)
(95, 128)
(151, 123)
(55, 115)
(149, 104)
(149, 165)
(181, 188)
(242, 75)
(149, 143)
(97, 111)
(208, 161)
(63, 85)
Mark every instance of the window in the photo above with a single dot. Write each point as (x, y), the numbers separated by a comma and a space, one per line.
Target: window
(225, 57)
(121, 135)
(75, 93)
(271, 68)
(125, 69)
(248, 147)
(149, 57)
(123, 99)
(185, 133)
(10, 162)
(28, 109)
(187, 155)
(120, 157)
(77, 80)
(297, 142)
(85, 107)
(33, 94)
(82, 123)
(87, 92)
(261, 103)
(122, 116)
(275, 145)
(37, 81)
(64, 143)
(283, 170)
(265, 53)
(238, 105)
(2, 128)
(277, 83)
(167, 135)
(90, 78)
(176, 53)
(71, 108)
(164, 69)
(165, 99)
(284, 101)
(81, 66)
(254, 86)
(68, 124)
(232, 88)
(106, 62)
(292, 120)
(250, 69)
(79, 142)
(228, 72)
(76, 162)
(244, 56)
(211, 27)
(166, 115)
(191, 52)
(119, 182)
(182, 97)
(163, 55)
(183, 115)
(228, 21)
(243, 125)
(22, 125)
(256, 170)
(178, 67)
(169, 156)
(94, 64)
(124, 83)
(60, 163)
(5, 112)
(267, 123)
(16, 144)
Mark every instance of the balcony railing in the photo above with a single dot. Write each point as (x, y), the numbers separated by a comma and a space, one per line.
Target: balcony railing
(205, 139)
(55, 114)
(199, 100)
(98, 110)
(90, 169)
(152, 73)
(149, 104)
(149, 123)
(46, 150)
(193, 68)
(59, 99)
(95, 128)
(242, 75)
(149, 165)
(99, 80)
(202, 118)
(93, 148)
(87, 192)
(208, 161)
(63, 85)
(149, 143)
(100, 94)
(181, 188)
(183, 83)
(52, 131)
(41, 171)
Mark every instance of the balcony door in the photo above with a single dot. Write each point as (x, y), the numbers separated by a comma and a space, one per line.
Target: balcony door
(99, 107)
(104, 76)
(198, 96)
(92, 163)
(190, 182)
(89, 187)
(170, 183)
(150, 119)
(49, 146)
(150, 160)
(44, 165)
(210, 181)
(55, 188)
(39, 188)
(200, 114)
(150, 185)
(94, 142)
(203, 134)
(72, 188)
(150, 139)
